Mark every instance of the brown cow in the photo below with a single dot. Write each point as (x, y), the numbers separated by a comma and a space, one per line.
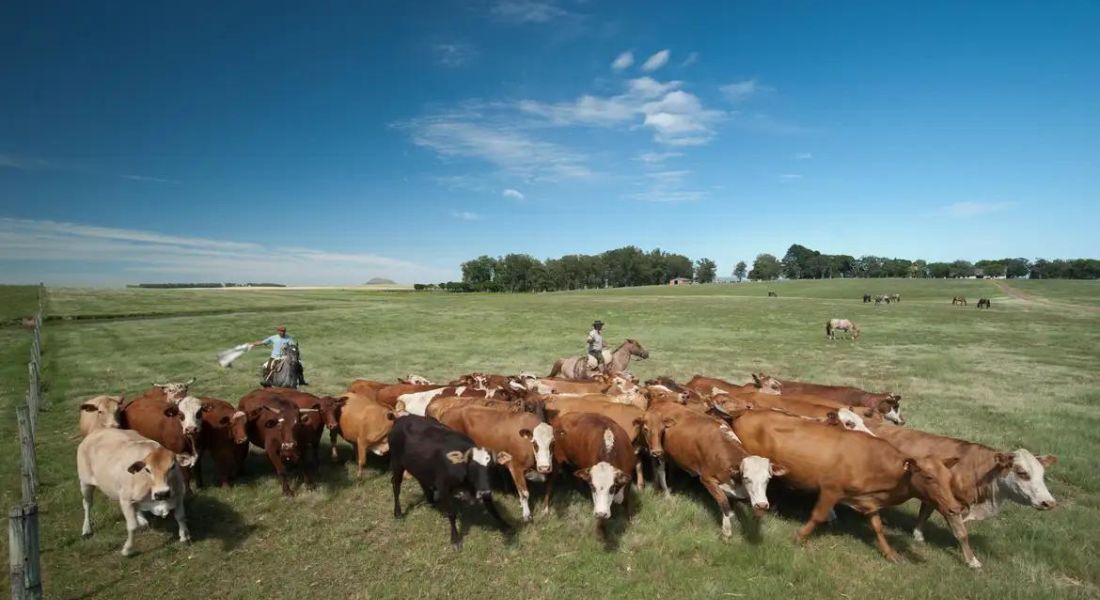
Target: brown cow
(707, 448)
(861, 471)
(366, 386)
(327, 415)
(628, 417)
(365, 423)
(274, 424)
(172, 392)
(887, 404)
(805, 406)
(389, 394)
(522, 436)
(175, 426)
(553, 385)
(100, 412)
(709, 386)
(224, 438)
(602, 454)
(982, 478)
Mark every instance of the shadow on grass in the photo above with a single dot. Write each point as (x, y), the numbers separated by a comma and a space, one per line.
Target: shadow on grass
(210, 518)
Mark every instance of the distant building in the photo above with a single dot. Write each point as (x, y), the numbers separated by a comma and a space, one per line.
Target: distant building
(680, 281)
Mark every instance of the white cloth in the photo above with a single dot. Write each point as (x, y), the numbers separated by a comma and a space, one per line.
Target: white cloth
(227, 357)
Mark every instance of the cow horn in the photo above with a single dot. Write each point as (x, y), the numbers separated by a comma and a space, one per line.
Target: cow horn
(271, 408)
(308, 410)
(190, 381)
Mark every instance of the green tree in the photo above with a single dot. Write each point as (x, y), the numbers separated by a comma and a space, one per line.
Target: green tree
(740, 270)
(705, 270)
(766, 267)
(480, 272)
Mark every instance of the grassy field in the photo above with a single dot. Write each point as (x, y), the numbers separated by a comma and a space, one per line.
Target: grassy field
(1022, 374)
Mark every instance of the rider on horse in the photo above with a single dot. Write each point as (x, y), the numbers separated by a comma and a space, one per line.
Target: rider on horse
(595, 345)
(278, 342)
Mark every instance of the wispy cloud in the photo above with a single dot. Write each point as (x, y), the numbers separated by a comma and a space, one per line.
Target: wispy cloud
(658, 60)
(739, 91)
(667, 186)
(657, 157)
(466, 216)
(512, 194)
(765, 124)
(803, 156)
(527, 11)
(22, 163)
(27, 163)
(623, 61)
(690, 60)
(455, 54)
(790, 176)
(109, 253)
(150, 179)
(973, 209)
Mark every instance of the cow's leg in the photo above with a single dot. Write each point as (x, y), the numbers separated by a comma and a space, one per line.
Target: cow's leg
(639, 475)
(712, 486)
(880, 537)
(332, 435)
(452, 518)
(309, 467)
(360, 457)
(661, 472)
(429, 493)
(181, 522)
(398, 475)
(130, 514)
(826, 500)
(926, 509)
(492, 508)
(959, 529)
(272, 450)
(198, 471)
(549, 487)
(521, 488)
(86, 492)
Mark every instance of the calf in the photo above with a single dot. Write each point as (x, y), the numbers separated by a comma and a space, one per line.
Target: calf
(707, 448)
(628, 418)
(274, 424)
(982, 478)
(174, 425)
(861, 471)
(601, 452)
(100, 412)
(521, 436)
(224, 437)
(443, 462)
(365, 423)
(887, 404)
(138, 473)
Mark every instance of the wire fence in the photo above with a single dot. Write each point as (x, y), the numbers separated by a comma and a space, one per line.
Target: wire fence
(23, 542)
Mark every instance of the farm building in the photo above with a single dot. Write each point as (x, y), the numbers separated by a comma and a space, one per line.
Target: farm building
(680, 281)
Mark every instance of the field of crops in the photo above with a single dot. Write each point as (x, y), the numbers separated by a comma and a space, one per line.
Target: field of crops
(1024, 373)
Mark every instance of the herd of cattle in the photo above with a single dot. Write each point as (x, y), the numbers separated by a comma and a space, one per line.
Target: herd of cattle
(848, 445)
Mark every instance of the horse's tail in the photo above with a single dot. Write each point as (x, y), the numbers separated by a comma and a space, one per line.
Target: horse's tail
(828, 328)
(556, 368)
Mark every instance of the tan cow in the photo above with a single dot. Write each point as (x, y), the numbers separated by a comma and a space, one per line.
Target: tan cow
(364, 423)
(138, 473)
(99, 413)
(887, 404)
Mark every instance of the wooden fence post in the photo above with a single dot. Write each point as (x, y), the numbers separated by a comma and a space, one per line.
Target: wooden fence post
(33, 390)
(26, 447)
(23, 553)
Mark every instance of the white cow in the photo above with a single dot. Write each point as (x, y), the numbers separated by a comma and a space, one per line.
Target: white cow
(140, 474)
(99, 413)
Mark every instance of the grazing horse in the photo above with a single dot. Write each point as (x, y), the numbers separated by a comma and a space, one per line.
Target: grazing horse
(895, 297)
(284, 372)
(584, 368)
(984, 303)
(773, 295)
(866, 298)
(958, 300)
(834, 325)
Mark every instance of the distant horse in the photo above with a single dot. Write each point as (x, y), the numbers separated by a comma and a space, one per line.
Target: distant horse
(866, 298)
(895, 297)
(584, 368)
(882, 298)
(284, 371)
(834, 325)
(773, 295)
(958, 300)
(983, 303)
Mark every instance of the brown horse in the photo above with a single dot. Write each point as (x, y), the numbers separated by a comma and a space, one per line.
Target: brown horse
(584, 368)
(834, 325)
(958, 300)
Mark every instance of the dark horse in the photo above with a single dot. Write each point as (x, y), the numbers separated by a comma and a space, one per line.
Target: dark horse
(285, 371)
(866, 298)
(983, 303)
(773, 295)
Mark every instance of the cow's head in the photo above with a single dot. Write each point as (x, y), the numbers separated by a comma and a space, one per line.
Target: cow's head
(930, 478)
(890, 408)
(189, 412)
(1021, 475)
(542, 440)
(330, 410)
(175, 391)
(753, 475)
(653, 426)
(99, 413)
(848, 419)
(237, 426)
(766, 384)
(414, 379)
(155, 471)
(280, 424)
(605, 481)
(476, 462)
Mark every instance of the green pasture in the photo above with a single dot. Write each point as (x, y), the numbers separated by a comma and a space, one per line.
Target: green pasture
(1025, 373)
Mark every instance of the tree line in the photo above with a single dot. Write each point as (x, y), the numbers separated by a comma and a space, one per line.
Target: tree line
(622, 267)
(801, 262)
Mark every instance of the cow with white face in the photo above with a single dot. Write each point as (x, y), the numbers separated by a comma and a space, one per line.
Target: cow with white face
(751, 483)
(602, 454)
(174, 391)
(138, 473)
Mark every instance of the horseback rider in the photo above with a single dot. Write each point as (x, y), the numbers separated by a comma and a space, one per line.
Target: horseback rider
(278, 343)
(595, 345)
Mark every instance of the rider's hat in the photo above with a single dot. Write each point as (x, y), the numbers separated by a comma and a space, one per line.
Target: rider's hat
(597, 324)
(281, 329)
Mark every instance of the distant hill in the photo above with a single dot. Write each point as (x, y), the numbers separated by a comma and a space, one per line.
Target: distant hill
(381, 281)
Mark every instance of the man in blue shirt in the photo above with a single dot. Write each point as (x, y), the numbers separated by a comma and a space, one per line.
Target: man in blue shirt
(278, 343)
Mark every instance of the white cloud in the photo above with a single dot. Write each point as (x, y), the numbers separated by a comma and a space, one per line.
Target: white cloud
(623, 61)
(466, 216)
(106, 254)
(512, 194)
(740, 91)
(973, 209)
(803, 156)
(21, 163)
(527, 11)
(149, 179)
(790, 176)
(457, 54)
(690, 60)
(656, 61)
(667, 186)
(657, 157)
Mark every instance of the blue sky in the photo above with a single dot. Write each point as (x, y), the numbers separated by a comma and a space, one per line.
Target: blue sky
(278, 141)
